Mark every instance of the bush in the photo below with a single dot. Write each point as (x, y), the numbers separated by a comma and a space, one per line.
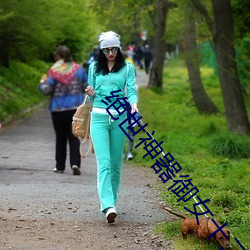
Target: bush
(231, 146)
(19, 88)
(225, 200)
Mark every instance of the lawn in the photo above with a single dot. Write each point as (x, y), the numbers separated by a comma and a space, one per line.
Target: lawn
(217, 162)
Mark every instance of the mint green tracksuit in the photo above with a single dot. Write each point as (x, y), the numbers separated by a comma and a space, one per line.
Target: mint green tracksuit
(108, 139)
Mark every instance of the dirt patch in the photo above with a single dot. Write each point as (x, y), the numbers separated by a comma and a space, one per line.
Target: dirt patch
(50, 234)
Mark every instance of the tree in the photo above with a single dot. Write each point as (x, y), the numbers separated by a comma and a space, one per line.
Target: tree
(159, 44)
(223, 38)
(28, 33)
(128, 17)
(23, 33)
(201, 99)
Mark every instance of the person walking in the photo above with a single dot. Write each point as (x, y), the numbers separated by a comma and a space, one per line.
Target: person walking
(147, 54)
(109, 73)
(65, 84)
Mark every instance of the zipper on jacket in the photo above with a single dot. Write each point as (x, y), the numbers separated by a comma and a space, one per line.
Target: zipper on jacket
(109, 81)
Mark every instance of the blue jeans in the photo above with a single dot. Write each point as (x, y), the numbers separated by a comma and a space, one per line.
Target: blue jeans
(108, 140)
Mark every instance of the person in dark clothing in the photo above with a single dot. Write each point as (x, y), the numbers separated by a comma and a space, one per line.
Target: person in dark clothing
(93, 55)
(138, 56)
(147, 54)
(65, 83)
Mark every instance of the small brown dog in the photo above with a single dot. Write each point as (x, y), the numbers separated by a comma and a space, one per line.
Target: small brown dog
(205, 228)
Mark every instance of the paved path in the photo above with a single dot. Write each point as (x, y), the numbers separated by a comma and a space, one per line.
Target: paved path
(141, 78)
(26, 163)
(30, 192)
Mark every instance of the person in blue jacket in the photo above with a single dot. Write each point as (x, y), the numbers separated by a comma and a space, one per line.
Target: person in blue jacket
(65, 83)
(109, 73)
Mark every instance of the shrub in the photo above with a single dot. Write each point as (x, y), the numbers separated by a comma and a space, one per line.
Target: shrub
(224, 200)
(231, 146)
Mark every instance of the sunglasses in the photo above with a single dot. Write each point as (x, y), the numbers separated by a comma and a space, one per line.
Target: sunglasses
(106, 51)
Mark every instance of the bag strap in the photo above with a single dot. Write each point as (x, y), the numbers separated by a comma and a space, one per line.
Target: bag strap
(85, 139)
(85, 99)
(93, 73)
(91, 148)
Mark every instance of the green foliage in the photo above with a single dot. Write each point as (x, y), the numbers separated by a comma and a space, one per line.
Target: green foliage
(19, 87)
(188, 136)
(231, 146)
(128, 18)
(243, 60)
(29, 33)
(242, 35)
(241, 17)
(225, 200)
(175, 24)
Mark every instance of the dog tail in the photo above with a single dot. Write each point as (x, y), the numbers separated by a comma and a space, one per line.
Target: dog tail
(175, 213)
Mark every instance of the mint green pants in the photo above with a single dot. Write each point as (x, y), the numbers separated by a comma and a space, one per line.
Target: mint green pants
(108, 140)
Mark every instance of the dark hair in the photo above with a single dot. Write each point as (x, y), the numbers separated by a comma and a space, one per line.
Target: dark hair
(102, 67)
(64, 53)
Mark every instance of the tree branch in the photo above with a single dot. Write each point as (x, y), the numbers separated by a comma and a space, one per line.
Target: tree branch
(202, 9)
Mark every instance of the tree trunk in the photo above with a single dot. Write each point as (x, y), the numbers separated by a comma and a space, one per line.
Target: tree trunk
(159, 47)
(235, 109)
(201, 99)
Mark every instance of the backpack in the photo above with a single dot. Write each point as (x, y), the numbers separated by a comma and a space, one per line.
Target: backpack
(81, 126)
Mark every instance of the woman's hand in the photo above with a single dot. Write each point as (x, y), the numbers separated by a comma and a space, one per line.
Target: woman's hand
(90, 91)
(134, 108)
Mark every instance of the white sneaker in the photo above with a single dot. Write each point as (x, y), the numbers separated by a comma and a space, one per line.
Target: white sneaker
(58, 171)
(76, 170)
(129, 156)
(111, 214)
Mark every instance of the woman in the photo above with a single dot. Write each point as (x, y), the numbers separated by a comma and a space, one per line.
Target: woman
(65, 83)
(109, 73)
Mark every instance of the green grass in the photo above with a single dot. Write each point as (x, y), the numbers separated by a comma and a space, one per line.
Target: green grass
(19, 87)
(231, 146)
(217, 161)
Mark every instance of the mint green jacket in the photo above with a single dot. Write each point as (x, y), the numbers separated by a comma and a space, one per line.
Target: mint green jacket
(124, 80)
